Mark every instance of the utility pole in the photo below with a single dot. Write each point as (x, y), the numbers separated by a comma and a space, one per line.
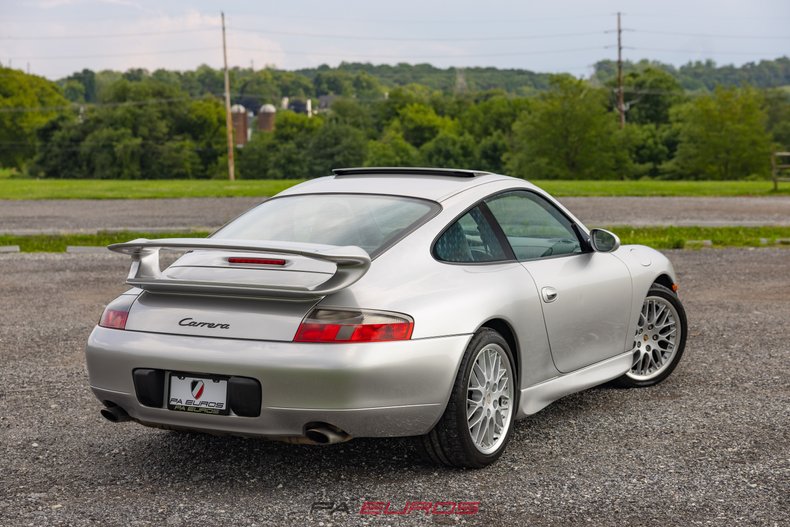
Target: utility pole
(228, 120)
(620, 97)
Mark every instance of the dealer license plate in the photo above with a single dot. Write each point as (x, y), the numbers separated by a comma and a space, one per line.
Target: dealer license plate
(199, 395)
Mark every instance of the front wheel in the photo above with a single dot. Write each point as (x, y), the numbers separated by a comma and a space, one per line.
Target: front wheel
(478, 421)
(659, 340)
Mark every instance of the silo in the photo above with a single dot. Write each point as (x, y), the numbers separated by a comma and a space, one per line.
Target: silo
(266, 117)
(238, 114)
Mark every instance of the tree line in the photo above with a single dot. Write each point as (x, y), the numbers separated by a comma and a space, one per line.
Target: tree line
(167, 124)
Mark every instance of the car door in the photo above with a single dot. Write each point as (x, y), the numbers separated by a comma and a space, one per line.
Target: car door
(585, 295)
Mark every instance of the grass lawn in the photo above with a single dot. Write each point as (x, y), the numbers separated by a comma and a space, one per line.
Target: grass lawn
(676, 237)
(54, 243)
(114, 189)
(656, 237)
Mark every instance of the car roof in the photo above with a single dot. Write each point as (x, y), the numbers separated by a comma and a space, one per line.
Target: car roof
(428, 183)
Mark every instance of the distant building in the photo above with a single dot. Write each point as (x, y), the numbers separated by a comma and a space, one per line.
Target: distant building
(266, 118)
(238, 114)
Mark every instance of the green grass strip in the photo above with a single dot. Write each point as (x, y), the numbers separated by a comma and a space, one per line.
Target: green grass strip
(656, 237)
(38, 189)
(676, 237)
(58, 242)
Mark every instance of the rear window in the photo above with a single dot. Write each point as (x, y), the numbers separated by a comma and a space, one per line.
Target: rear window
(372, 222)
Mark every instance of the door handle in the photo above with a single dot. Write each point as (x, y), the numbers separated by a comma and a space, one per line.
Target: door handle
(549, 294)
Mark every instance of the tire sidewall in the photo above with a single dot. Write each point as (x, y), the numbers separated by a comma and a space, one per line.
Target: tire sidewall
(478, 342)
(668, 295)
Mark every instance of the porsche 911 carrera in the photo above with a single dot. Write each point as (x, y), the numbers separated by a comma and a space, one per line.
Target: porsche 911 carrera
(442, 304)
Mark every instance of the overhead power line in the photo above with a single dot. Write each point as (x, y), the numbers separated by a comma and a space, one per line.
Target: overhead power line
(466, 38)
(311, 53)
(422, 57)
(82, 36)
(112, 55)
(706, 52)
(713, 35)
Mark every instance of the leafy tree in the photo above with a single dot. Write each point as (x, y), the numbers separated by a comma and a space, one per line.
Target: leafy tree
(569, 134)
(391, 150)
(349, 111)
(80, 86)
(450, 150)
(722, 136)
(333, 83)
(151, 130)
(650, 146)
(650, 93)
(777, 110)
(285, 153)
(492, 151)
(420, 124)
(335, 145)
(495, 113)
(27, 102)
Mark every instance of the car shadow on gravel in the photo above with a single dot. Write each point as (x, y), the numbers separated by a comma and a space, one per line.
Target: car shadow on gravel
(172, 457)
(177, 457)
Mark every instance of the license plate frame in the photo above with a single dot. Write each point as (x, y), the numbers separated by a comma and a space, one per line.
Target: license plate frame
(198, 394)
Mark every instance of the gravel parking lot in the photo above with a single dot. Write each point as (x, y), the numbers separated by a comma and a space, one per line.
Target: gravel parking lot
(30, 217)
(710, 446)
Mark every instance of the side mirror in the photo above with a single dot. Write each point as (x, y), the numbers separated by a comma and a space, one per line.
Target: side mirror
(604, 241)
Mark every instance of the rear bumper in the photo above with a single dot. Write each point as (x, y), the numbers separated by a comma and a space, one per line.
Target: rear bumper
(368, 390)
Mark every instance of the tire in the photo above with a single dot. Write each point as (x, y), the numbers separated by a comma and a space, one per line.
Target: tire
(453, 441)
(658, 347)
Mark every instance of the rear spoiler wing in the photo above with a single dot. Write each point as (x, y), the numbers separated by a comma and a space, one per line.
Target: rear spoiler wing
(352, 263)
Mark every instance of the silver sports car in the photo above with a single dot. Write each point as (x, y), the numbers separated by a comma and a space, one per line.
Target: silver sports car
(378, 302)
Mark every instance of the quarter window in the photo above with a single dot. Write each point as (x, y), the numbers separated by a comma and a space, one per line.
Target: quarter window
(533, 226)
(470, 239)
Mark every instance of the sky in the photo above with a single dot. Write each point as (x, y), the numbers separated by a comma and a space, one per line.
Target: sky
(55, 38)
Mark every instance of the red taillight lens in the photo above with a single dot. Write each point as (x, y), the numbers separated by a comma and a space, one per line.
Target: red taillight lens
(117, 312)
(330, 325)
(114, 318)
(255, 261)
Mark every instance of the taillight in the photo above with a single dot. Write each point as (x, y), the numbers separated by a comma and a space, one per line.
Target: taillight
(117, 312)
(113, 318)
(256, 261)
(335, 325)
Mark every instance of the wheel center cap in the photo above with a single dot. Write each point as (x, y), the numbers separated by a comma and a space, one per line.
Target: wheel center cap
(645, 338)
(488, 399)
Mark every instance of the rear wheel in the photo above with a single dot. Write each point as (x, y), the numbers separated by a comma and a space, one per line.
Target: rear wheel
(659, 340)
(478, 421)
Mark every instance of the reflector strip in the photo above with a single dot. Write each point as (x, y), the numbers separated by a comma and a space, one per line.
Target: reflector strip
(255, 261)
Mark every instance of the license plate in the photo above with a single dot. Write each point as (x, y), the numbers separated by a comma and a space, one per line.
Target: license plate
(198, 395)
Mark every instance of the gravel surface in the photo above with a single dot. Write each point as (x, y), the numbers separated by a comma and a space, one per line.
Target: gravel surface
(709, 446)
(712, 212)
(28, 217)
(80, 215)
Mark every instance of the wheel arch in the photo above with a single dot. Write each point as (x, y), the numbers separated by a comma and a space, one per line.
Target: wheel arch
(665, 280)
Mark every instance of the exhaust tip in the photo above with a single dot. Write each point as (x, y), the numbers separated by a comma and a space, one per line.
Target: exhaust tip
(317, 436)
(114, 414)
(325, 434)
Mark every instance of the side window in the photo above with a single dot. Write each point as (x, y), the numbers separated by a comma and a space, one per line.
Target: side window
(533, 226)
(470, 239)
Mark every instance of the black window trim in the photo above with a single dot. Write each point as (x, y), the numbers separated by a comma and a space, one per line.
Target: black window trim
(510, 255)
